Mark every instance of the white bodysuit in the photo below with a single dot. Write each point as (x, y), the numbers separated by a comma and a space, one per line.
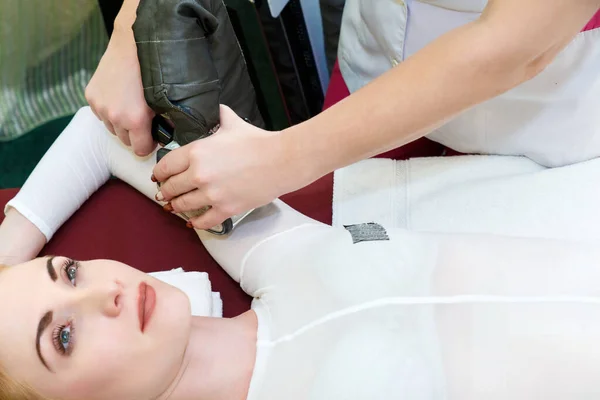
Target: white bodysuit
(418, 316)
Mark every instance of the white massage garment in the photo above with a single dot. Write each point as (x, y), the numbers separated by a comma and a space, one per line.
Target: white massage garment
(510, 196)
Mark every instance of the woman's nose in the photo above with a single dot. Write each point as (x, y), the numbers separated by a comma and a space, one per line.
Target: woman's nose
(103, 298)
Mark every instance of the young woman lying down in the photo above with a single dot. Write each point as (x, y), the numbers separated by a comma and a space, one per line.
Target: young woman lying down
(362, 312)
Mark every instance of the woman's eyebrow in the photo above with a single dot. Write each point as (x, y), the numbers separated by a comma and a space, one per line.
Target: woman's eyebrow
(50, 269)
(47, 318)
(44, 322)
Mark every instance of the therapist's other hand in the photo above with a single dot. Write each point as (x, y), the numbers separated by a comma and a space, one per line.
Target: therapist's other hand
(116, 95)
(238, 168)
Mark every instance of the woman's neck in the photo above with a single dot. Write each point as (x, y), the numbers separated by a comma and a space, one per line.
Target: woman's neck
(219, 361)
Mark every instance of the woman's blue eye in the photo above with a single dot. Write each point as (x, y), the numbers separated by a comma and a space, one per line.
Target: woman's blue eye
(70, 269)
(65, 337)
(72, 274)
(62, 338)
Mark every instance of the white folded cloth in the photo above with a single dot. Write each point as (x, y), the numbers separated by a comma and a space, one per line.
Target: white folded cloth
(196, 285)
(510, 196)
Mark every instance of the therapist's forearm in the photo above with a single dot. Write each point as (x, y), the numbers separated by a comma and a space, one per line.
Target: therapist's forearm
(408, 102)
(127, 15)
(20, 240)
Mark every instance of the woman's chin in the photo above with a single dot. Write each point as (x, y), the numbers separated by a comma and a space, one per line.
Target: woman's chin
(171, 318)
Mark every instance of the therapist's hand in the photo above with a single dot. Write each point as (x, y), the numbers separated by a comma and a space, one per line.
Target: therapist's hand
(238, 168)
(116, 96)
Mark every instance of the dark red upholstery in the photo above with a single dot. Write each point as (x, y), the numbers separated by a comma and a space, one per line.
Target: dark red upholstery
(119, 223)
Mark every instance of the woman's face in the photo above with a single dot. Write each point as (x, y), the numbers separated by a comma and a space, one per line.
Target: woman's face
(86, 330)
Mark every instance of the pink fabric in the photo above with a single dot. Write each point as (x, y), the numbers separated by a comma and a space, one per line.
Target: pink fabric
(337, 89)
(594, 22)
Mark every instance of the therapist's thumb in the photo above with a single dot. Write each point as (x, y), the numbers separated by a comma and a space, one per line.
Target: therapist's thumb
(229, 119)
(208, 220)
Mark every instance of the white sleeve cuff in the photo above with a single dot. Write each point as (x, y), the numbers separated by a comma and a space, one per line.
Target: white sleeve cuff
(31, 216)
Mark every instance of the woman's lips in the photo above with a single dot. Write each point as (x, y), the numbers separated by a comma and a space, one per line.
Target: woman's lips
(146, 303)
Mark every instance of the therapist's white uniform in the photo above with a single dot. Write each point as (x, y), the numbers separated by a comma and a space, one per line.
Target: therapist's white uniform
(553, 119)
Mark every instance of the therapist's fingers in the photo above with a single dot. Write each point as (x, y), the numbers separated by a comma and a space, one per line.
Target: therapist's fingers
(176, 186)
(209, 219)
(140, 134)
(191, 201)
(109, 126)
(95, 113)
(174, 163)
(123, 135)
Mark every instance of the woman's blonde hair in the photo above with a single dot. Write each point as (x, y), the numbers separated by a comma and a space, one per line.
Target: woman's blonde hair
(11, 389)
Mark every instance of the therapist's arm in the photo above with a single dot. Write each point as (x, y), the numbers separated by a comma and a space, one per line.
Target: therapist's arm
(115, 91)
(512, 42)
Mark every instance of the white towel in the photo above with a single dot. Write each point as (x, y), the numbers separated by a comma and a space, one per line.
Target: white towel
(196, 285)
(510, 196)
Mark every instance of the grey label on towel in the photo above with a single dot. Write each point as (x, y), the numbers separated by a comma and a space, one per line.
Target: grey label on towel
(368, 232)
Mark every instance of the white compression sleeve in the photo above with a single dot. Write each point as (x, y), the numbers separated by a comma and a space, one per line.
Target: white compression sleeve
(78, 163)
(83, 158)
(270, 220)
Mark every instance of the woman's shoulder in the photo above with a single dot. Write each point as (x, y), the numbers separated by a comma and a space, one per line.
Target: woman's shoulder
(311, 250)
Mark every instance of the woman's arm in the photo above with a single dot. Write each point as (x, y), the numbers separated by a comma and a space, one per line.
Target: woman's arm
(74, 167)
(20, 239)
(264, 223)
(79, 162)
